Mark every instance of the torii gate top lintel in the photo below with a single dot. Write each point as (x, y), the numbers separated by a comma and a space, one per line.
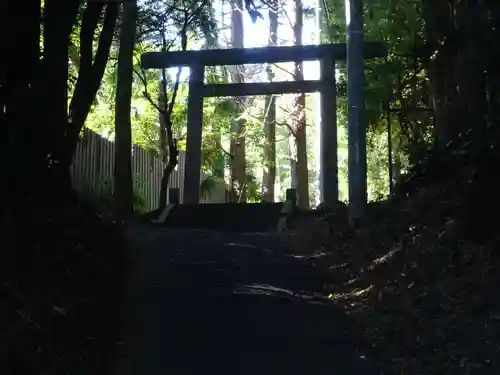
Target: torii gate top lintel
(262, 55)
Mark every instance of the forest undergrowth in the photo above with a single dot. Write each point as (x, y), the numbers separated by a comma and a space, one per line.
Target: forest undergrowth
(64, 271)
(423, 275)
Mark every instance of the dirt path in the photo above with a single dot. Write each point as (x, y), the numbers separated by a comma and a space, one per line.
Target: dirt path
(204, 302)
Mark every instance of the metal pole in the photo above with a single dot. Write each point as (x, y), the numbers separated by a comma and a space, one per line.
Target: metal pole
(356, 111)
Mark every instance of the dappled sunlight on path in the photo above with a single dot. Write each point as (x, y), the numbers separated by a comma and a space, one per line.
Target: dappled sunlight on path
(217, 303)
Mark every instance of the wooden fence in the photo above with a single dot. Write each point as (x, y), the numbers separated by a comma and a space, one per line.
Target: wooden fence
(93, 166)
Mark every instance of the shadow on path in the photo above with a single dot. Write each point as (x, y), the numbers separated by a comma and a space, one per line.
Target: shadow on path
(211, 303)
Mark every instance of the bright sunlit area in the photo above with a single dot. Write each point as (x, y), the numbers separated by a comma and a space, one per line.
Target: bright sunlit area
(237, 155)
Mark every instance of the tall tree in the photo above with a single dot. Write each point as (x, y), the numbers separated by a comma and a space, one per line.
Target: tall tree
(55, 66)
(17, 87)
(91, 68)
(168, 144)
(123, 193)
(194, 17)
(299, 139)
(48, 141)
(458, 34)
(269, 175)
(35, 139)
(237, 147)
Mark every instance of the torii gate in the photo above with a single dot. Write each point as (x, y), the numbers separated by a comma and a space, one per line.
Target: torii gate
(327, 54)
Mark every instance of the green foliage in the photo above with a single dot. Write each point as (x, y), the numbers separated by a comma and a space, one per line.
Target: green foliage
(384, 20)
(253, 188)
(138, 196)
(208, 185)
(377, 164)
(400, 80)
(139, 203)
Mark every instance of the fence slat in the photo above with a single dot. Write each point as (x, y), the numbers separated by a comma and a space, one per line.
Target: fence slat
(93, 166)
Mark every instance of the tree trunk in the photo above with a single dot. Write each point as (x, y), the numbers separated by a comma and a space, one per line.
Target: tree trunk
(123, 193)
(472, 84)
(34, 107)
(162, 129)
(51, 108)
(168, 145)
(269, 175)
(299, 119)
(456, 69)
(90, 70)
(220, 159)
(17, 89)
(54, 81)
(18, 79)
(238, 167)
(438, 24)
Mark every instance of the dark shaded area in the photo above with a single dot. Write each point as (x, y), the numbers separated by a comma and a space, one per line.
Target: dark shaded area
(218, 303)
(247, 217)
(423, 275)
(63, 277)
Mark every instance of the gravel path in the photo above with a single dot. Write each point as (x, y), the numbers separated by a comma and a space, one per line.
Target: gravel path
(205, 302)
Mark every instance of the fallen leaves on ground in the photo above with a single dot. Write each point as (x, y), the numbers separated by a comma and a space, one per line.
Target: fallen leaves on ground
(62, 287)
(422, 276)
